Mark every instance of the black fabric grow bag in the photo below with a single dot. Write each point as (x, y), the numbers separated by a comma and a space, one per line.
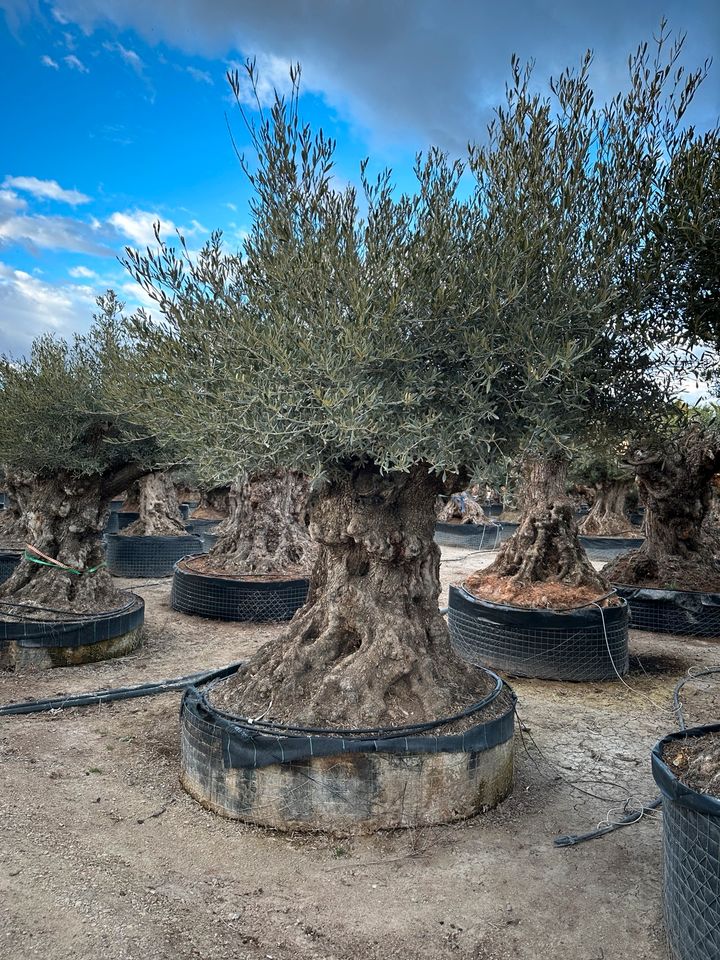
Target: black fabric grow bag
(75, 633)
(607, 548)
(493, 509)
(691, 859)
(252, 744)
(206, 530)
(221, 598)
(148, 556)
(585, 644)
(473, 536)
(9, 560)
(672, 611)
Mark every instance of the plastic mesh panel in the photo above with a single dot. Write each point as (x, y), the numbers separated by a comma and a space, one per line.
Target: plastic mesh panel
(148, 556)
(673, 611)
(8, 564)
(691, 859)
(218, 598)
(691, 887)
(541, 644)
(470, 535)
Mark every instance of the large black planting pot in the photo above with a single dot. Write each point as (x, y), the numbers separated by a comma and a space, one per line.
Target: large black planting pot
(206, 530)
(682, 612)
(342, 782)
(691, 859)
(471, 536)
(9, 560)
(225, 598)
(605, 549)
(119, 519)
(41, 644)
(585, 644)
(148, 556)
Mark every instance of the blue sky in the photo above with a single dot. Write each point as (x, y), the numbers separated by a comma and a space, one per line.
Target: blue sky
(114, 112)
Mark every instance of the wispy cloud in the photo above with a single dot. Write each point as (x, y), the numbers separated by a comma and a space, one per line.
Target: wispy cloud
(272, 74)
(82, 273)
(52, 233)
(75, 63)
(202, 76)
(47, 61)
(138, 226)
(46, 190)
(132, 59)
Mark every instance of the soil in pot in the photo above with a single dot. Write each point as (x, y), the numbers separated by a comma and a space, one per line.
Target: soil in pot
(205, 565)
(695, 761)
(536, 596)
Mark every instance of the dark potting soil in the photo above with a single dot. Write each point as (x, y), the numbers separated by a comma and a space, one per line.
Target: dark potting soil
(536, 596)
(206, 565)
(696, 762)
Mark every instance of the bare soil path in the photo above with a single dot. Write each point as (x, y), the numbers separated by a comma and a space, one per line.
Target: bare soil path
(102, 855)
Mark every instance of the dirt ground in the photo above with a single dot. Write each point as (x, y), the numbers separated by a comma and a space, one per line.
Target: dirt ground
(102, 855)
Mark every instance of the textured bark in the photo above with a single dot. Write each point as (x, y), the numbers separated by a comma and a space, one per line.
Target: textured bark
(546, 547)
(675, 487)
(158, 509)
(64, 517)
(266, 531)
(13, 532)
(607, 517)
(462, 507)
(214, 504)
(370, 646)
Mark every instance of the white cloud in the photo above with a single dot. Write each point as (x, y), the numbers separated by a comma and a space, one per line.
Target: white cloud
(271, 73)
(129, 56)
(10, 204)
(138, 226)
(202, 76)
(52, 233)
(81, 272)
(46, 190)
(30, 307)
(47, 61)
(75, 63)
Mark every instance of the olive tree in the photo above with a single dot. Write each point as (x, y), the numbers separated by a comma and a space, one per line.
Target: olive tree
(66, 454)
(386, 354)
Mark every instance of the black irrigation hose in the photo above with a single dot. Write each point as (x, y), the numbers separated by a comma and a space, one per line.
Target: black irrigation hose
(632, 816)
(119, 693)
(677, 706)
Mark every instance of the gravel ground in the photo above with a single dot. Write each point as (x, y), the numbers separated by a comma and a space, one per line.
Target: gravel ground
(102, 855)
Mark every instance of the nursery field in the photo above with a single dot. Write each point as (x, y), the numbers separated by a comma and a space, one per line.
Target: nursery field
(102, 854)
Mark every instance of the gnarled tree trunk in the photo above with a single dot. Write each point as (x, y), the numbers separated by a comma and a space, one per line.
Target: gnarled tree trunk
(675, 486)
(64, 517)
(463, 507)
(607, 516)
(158, 509)
(546, 547)
(266, 531)
(13, 533)
(370, 646)
(214, 504)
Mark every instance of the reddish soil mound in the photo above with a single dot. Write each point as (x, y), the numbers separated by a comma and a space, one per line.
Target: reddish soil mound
(543, 596)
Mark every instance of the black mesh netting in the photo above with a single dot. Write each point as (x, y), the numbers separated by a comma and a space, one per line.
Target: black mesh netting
(679, 612)
(691, 860)
(9, 560)
(222, 598)
(472, 536)
(148, 556)
(585, 644)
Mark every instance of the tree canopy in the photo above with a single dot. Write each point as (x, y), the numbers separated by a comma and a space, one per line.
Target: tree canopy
(55, 411)
(428, 327)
